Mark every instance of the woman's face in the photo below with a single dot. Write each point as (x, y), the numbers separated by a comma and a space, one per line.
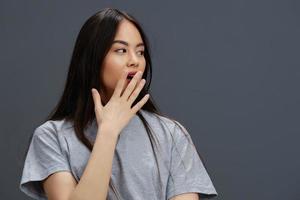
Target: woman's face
(126, 53)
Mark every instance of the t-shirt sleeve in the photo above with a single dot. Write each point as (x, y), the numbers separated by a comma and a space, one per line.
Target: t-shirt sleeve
(43, 158)
(187, 172)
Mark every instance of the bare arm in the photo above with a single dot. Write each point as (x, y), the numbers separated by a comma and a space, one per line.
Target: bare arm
(112, 117)
(95, 178)
(186, 196)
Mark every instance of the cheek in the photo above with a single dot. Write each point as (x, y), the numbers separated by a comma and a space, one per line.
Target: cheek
(111, 78)
(112, 70)
(143, 64)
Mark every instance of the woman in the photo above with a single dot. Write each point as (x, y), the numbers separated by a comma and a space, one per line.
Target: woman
(106, 139)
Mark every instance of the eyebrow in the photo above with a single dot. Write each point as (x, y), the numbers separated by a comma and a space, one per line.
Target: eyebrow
(126, 43)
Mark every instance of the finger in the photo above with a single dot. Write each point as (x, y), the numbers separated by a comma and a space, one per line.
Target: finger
(140, 104)
(136, 92)
(96, 99)
(120, 84)
(132, 85)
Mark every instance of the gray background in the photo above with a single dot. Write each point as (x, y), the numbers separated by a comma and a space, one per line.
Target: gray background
(228, 70)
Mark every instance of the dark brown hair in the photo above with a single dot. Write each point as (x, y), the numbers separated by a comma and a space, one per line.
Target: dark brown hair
(92, 44)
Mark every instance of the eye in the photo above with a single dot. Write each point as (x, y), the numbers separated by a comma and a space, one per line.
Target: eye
(141, 53)
(118, 50)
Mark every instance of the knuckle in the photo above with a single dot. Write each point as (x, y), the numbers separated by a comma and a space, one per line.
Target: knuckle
(134, 94)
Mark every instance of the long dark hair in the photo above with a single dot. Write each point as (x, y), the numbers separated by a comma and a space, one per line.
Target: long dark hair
(92, 44)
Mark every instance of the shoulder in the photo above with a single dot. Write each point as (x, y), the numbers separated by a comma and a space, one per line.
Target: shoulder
(154, 118)
(52, 128)
(174, 127)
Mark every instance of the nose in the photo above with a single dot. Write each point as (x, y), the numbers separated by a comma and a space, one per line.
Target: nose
(133, 60)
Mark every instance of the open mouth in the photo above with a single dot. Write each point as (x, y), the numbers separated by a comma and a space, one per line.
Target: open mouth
(129, 78)
(131, 75)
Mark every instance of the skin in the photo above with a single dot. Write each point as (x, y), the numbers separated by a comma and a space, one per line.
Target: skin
(186, 196)
(117, 63)
(122, 57)
(113, 117)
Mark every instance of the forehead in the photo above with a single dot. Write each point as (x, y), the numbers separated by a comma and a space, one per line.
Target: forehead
(128, 32)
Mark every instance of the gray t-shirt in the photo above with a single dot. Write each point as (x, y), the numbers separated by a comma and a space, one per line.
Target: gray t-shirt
(54, 147)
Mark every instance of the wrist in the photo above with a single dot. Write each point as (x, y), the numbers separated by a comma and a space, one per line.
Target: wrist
(108, 131)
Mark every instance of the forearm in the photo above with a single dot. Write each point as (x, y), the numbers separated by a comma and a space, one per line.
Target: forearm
(94, 182)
